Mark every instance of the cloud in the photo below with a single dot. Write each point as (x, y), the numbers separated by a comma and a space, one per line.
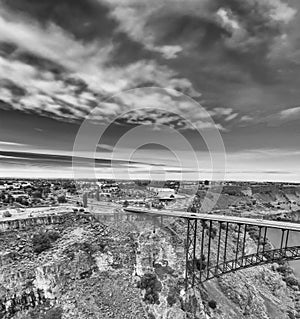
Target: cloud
(87, 61)
(85, 76)
(133, 18)
(246, 118)
(64, 73)
(51, 42)
(241, 24)
(221, 111)
(281, 117)
(6, 143)
(157, 107)
(231, 117)
(227, 21)
(290, 114)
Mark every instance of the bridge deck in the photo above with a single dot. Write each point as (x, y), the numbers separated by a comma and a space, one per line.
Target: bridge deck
(219, 218)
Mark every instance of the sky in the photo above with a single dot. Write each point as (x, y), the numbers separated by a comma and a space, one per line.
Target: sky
(168, 83)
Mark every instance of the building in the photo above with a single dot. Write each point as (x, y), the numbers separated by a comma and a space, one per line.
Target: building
(161, 190)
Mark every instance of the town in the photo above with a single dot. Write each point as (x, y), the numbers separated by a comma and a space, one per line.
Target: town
(37, 196)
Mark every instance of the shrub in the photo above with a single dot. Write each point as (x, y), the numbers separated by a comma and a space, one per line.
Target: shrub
(173, 295)
(193, 209)
(223, 225)
(7, 214)
(41, 242)
(291, 280)
(152, 285)
(53, 235)
(212, 304)
(284, 269)
(290, 315)
(55, 313)
(126, 203)
(171, 299)
(213, 232)
(62, 199)
(200, 264)
(37, 194)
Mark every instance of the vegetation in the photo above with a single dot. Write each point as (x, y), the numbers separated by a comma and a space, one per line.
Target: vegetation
(37, 194)
(152, 287)
(85, 200)
(173, 295)
(6, 214)
(43, 240)
(291, 280)
(285, 269)
(126, 203)
(22, 201)
(287, 274)
(53, 235)
(55, 313)
(212, 304)
(62, 199)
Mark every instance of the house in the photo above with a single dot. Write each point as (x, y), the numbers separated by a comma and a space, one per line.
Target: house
(162, 190)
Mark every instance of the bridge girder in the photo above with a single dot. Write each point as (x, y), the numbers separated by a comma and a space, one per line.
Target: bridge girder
(203, 265)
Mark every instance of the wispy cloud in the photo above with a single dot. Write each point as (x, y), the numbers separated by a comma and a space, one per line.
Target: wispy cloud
(290, 114)
(239, 60)
(5, 143)
(284, 116)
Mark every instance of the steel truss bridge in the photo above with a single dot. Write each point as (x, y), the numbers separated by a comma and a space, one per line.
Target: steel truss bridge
(217, 244)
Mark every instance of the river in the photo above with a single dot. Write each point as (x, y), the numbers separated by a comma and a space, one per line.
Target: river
(274, 235)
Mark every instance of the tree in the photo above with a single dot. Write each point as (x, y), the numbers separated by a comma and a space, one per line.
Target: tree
(160, 206)
(24, 202)
(85, 200)
(46, 191)
(62, 199)
(37, 194)
(152, 287)
(41, 242)
(193, 209)
(97, 195)
(212, 304)
(11, 200)
(291, 280)
(6, 214)
(126, 203)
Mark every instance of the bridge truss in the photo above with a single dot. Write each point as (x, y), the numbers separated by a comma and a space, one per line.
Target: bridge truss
(230, 252)
(220, 244)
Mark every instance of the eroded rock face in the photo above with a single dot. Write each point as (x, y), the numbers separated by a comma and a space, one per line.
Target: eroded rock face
(258, 292)
(87, 272)
(128, 270)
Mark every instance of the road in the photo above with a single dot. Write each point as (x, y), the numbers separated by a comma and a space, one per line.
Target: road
(23, 213)
(219, 218)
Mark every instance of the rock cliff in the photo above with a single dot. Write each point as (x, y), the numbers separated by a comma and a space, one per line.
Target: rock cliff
(85, 268)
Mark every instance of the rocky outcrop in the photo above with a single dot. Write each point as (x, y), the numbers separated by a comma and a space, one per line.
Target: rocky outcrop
(88, 260)
(7, 225)
(30, 299)
(129, 268)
